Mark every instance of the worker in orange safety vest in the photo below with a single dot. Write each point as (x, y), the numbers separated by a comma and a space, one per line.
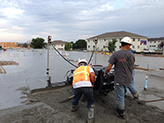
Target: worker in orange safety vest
(83, 82)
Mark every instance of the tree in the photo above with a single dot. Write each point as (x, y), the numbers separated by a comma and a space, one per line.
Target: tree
(25, 45)
(161, 45)
(73, 44)
(80, 44)
(111, 45)
(68, 46)
(38, 43)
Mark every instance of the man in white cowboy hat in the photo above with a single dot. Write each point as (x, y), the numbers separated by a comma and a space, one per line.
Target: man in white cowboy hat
(123, 60)
(83, 82)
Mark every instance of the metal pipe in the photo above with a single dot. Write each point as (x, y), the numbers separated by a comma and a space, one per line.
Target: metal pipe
(96, 40)
(146, 79)
(48, 77)
(95, 52)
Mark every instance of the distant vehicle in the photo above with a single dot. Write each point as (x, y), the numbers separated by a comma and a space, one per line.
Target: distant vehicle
(133, 51)
(4, 49)
(151, 51)
(1, 47)
(147, 51)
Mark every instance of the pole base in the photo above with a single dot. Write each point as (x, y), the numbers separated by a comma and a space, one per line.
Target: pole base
(49, 82)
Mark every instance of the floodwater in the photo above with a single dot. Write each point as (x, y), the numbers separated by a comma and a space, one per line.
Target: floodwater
(32, 68)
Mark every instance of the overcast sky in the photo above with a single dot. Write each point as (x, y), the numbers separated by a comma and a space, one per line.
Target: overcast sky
(70, 20)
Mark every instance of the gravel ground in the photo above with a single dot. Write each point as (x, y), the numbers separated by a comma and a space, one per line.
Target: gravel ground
(47, 107)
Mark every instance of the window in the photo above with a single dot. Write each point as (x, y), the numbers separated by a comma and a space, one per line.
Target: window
(138, 46)
(93, 46)
(139, 39)
(61, 44)
(133, 39)
(103, 46)
(133, 47)
(120, 47)
(104, 39)
(88, 46)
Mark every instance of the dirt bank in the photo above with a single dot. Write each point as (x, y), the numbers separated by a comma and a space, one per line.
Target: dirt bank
(154, 55)
(2, 63)
(46, 107)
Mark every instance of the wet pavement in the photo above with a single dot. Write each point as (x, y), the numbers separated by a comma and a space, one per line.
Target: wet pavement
(31, 73)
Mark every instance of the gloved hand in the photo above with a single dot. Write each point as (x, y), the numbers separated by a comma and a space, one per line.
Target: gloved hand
(106, 76)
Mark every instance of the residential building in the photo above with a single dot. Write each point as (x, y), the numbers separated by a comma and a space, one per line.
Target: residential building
(58, 44)
(9, 44)
(139, 42)
(154, 42)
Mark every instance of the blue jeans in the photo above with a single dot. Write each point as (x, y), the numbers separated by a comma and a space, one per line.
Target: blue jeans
(87, 91)
(131, 86)
(120, 93)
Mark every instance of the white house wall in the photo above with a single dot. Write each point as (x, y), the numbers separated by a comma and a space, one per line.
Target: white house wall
(137, 46)
(101, 44)
(60, 46)
(153, 45)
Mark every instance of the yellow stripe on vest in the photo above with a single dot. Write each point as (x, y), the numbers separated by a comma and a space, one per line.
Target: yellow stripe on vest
(84, 71)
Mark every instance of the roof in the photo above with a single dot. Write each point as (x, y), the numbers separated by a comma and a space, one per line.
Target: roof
(119, 34)
(56, 42)
(156, 39)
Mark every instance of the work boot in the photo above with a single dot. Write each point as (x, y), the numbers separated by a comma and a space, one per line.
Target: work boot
(91, 118)
(74, 108)
(135, 95)
(120, 113)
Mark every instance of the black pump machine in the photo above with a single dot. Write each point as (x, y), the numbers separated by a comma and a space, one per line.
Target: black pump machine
(102, 85)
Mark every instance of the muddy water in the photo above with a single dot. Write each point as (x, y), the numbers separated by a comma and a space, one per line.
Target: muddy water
(31, 73)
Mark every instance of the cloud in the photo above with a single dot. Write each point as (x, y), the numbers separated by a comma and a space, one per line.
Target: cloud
(70, 20)
(11, 12)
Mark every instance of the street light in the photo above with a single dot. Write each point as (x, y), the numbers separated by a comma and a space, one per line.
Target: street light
(48, 77)
(96, 41)
(49, 39)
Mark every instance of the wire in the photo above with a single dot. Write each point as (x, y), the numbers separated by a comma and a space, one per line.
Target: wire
(67, 59)
(63, 56)
(91, 55)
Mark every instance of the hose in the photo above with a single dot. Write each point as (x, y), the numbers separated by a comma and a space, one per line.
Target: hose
(63, 56)
(68, 60)
(91, 56)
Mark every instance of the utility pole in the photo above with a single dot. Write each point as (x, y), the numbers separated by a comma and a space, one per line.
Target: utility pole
(96, 41)
(48, 77)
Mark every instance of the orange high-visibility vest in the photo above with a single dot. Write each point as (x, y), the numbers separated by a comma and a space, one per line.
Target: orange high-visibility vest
(82, 73)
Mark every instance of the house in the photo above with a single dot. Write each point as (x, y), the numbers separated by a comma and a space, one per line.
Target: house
(139, 42)
(58, 44)
(9, 44)
(154, 42)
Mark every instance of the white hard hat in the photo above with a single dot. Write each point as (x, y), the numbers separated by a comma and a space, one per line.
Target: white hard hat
(82, 60)
(127, 40)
